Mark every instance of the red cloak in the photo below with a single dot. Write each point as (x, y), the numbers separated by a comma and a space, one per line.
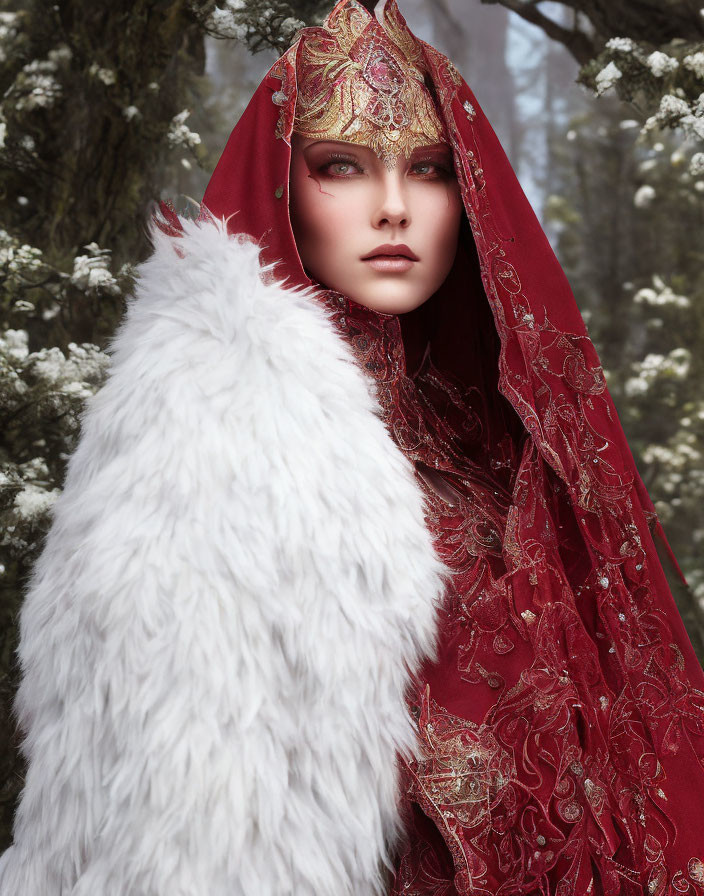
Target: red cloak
(563, 725)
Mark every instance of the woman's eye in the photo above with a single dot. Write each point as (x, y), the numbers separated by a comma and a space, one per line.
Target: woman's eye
(341, 168)
(430, 169)
(347, 168)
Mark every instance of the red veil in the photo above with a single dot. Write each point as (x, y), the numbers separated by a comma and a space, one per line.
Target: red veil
(563, 725)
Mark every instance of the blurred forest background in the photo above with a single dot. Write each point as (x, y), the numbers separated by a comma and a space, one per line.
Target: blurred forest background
(106, 108)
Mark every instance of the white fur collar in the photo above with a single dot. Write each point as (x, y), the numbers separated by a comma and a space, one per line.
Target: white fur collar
(218, 634)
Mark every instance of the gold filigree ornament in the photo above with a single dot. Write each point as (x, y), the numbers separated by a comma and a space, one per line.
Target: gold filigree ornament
(361, 79)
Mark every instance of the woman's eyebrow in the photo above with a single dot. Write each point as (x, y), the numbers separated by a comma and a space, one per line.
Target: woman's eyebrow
(438, 149)
(338, 144)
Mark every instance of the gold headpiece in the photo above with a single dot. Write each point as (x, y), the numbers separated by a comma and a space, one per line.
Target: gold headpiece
(361, 79)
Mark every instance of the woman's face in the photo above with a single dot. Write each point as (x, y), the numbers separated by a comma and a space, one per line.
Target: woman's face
(384, 238)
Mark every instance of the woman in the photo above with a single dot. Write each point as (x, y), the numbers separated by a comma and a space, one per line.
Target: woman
(353, 570)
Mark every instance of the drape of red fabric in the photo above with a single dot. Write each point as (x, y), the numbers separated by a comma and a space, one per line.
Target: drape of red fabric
(563, 724)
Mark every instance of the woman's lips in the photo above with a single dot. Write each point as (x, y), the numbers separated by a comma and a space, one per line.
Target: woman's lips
(390, 264)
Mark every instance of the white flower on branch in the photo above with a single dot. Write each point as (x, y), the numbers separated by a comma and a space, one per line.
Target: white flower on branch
(676, 457)
(38, 90)
(644, 196)
(8, 33)
(647, 165)
(72, 374)
(673, 366)
(607, 78)
(35, 85)
(695, 63)
(34, 501)
(18, 258)
(225, 22)
(179, 134)
(662, 294)
(51, 312)
(14, 344)
(23, 259)
(696, 164)
(92, 272)
(76, 374)
(34, 469)
(621, 44)
(661, 64)
(694, 125)
(635, 386)
(672, 108)
(106, 75)
(290, 26)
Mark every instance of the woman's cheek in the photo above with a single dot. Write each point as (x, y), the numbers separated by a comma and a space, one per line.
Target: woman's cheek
(338, 222)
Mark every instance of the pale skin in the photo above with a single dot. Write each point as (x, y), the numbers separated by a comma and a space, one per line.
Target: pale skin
(345, 203)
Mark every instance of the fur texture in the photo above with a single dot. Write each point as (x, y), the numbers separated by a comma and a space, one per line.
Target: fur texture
(219, 632)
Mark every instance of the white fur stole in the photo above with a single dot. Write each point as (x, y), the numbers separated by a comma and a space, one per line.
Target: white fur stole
(217, 636)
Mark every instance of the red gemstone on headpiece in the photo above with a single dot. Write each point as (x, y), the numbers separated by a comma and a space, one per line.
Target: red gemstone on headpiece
(382, 73)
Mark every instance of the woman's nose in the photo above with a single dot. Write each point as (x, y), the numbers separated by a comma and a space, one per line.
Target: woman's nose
(392, 205)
